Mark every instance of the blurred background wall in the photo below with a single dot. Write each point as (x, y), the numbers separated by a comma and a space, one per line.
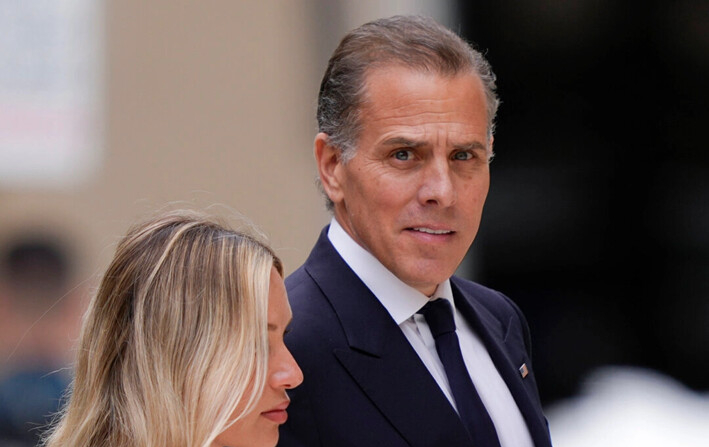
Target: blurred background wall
(597, 219)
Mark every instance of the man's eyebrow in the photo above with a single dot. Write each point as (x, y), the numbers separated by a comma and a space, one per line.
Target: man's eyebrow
(406, 142)
(474, 146)
(401, 141)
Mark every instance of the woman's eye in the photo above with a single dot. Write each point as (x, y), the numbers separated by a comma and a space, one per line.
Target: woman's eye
(403, 155)
(462, 156)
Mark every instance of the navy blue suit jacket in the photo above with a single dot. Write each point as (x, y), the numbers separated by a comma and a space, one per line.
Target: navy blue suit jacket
(364, 383)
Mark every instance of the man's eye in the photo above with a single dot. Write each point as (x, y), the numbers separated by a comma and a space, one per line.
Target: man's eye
(403, 155)
(462, 156)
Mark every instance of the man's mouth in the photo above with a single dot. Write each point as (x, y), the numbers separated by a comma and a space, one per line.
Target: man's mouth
(431, 230)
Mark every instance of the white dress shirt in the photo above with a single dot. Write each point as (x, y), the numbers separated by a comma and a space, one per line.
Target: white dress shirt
(402, 302)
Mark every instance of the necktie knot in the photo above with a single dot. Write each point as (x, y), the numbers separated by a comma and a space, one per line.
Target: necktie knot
(439, 316)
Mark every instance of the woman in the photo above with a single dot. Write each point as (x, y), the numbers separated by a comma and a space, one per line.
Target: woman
(183, 343)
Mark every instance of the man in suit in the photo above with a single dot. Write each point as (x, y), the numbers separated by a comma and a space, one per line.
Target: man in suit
(405, 113)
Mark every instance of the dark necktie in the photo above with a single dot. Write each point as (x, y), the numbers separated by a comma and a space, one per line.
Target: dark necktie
(439, 316)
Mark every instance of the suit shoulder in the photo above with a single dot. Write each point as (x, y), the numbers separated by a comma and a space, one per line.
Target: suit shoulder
(495, 301)
(300, 285)
(312, 312)
(297, 278)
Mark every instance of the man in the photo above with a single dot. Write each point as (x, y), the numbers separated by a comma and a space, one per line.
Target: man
(405, 113)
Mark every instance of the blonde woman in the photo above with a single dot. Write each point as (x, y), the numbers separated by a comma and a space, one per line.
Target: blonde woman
(183, 343)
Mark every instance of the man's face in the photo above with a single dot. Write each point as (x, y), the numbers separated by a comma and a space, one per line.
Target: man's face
(413, 194)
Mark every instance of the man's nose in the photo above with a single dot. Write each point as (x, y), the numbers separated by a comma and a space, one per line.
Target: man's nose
(436, 186)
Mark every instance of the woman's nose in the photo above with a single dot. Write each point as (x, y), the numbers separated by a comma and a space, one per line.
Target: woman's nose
(288, 374)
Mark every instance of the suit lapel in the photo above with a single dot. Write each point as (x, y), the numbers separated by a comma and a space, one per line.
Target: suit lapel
(508, 356)
(380, 359)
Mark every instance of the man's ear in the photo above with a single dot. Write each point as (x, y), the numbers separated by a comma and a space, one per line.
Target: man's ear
(329, 163)
(490, 150)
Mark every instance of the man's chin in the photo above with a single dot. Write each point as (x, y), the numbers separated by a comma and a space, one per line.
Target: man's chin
(428, 284)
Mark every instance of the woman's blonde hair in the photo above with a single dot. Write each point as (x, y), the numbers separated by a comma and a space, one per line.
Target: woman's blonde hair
(175, 340)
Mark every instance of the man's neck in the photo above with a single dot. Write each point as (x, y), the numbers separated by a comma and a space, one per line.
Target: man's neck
(400, 299)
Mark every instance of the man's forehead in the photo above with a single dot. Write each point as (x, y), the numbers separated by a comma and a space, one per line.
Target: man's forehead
(403, 71)
(409, 110)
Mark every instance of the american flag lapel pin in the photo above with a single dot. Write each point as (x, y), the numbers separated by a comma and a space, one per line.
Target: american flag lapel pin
(523, 370)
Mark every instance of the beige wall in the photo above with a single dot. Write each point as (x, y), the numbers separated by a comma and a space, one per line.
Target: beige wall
(213, 105)
(205, 103)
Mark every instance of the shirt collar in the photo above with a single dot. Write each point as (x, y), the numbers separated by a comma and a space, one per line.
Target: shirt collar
(400, 300)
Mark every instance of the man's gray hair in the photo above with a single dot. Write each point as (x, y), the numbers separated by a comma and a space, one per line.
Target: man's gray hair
(417, 42)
